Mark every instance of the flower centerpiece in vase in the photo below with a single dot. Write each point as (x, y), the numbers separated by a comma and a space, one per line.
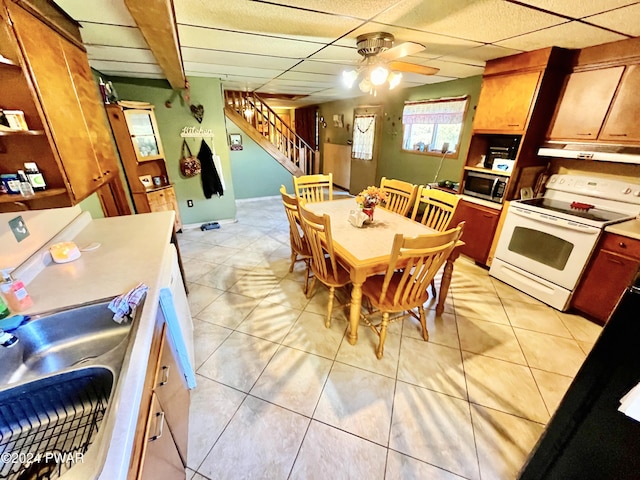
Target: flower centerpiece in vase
(369, 198)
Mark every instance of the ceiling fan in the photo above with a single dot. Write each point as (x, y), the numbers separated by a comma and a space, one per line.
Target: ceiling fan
(380, 65)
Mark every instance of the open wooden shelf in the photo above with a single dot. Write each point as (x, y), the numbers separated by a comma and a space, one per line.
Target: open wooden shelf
(50, 192)
(7, 133)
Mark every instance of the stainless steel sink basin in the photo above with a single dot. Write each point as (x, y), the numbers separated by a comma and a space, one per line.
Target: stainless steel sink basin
(54, 341)
(56, 384)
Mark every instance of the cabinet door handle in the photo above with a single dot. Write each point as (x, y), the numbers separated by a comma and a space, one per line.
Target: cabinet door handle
(584, 134)
(107, 172)
(514, 125)
(622, 245)
(617, 262)
(165, 375)
(155, 437)
(617, 134)
(95, 179)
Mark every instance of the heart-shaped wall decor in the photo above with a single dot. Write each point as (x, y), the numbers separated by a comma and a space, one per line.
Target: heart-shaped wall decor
(198, 112)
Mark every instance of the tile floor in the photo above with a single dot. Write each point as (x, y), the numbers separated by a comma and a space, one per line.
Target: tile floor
(280, 396)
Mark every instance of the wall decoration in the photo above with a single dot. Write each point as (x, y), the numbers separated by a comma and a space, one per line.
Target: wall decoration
(235, 141)
(338, 120)
(146, 181)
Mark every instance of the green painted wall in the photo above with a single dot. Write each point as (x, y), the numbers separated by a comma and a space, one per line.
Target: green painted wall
(393, 161)
(206, 92)
(255, 172)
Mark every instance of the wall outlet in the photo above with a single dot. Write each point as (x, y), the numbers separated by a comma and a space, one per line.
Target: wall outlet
(189, 203)
(19, 228)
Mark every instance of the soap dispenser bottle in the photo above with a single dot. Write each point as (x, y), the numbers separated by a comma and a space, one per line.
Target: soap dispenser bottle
(15, 293)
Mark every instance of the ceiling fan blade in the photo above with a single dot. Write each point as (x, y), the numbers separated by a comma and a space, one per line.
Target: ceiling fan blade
(401, 50)
(412, 68)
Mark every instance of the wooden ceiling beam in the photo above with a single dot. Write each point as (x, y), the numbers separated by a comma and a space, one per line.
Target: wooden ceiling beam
(157, 23)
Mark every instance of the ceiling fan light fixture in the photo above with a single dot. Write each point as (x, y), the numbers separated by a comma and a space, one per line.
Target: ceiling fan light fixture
(379, 75)
(349, 77)
(394, 79)
(365, 85)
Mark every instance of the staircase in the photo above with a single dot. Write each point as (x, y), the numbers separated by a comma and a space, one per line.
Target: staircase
(256, 119)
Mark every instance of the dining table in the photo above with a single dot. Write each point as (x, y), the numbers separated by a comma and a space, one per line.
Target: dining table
(366, 251)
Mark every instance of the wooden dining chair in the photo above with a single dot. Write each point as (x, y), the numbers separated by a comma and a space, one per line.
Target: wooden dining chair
(299, 247)
(325, 267)
(404, 287)
(401, 195)
(314, 188)
(434, 208)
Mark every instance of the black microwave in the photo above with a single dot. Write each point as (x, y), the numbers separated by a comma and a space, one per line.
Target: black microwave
(488, 186)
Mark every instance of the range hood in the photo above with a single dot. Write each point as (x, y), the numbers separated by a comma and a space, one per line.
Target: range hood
(591, 151)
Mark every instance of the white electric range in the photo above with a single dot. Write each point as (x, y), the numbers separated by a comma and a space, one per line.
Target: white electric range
(546, 242)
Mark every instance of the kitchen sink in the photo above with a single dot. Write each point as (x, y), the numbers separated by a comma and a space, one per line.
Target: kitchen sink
(53, 341)
(56, 384)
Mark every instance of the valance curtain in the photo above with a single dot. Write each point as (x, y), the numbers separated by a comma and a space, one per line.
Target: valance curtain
(441, 111)
(364, 128)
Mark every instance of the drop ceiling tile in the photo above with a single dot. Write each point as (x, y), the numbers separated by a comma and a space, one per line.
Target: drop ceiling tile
(104, 66)
(309, 66)
(122, 54)
(98, 11)
(574, 9)
(416, 79)
(481, 20)
(307, 77)
(119, 73)
(241, 86)
(201, 55)
(337, 54)
(567, 35)
(353, 8)
(624, 20)
(457, 70)
(245, 42)
(232, 70)
(113, 35)
(479, 55)
(277, 82)
(264, 18)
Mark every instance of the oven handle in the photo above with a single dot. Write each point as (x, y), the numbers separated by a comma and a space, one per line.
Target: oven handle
(536, 217)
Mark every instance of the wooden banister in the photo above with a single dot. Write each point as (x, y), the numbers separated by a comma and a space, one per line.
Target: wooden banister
(255, 111)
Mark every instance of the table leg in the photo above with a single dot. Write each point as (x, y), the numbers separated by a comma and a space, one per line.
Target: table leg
(354, 312)
(446, 282)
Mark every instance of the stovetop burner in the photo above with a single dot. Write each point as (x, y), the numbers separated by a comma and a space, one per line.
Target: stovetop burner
(576, 209)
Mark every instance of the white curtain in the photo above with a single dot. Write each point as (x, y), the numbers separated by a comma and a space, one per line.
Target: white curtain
(364, 128)
(450, 110)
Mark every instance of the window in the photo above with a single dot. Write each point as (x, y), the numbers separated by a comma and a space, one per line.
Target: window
(432, 125)
(364, 128)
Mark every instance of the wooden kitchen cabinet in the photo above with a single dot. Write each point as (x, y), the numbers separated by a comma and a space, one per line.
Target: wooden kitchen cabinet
(138, 139)
(585, 101)
(506, 101)
(608, 274)
(160, 449)
(622, 122)
(479, 229)
(69, 137)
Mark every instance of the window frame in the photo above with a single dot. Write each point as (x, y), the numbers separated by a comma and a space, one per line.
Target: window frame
(435, 152)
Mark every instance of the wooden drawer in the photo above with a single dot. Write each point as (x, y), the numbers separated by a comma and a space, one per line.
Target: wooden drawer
(619, 244)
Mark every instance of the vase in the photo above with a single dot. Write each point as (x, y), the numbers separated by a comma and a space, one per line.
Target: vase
(369, 212)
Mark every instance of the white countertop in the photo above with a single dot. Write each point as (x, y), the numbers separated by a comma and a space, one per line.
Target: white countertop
(630, 228)
(133, 249)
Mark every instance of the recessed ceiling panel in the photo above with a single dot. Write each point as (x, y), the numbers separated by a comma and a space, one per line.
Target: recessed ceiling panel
(264, 18)
(337, 54)
(232, 70)
(481, 20)
(568, 35)
(624, 20)
(479, 55)
(201, 55)
(122, 54)
(307, 77)
(578, 9)
(354, 8)
(113, 35)
(245, 42)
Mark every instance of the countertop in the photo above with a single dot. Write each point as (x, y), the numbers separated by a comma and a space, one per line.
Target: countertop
(630, 228)
(133, 249)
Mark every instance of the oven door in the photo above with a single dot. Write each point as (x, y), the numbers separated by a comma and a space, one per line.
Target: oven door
(548, 247)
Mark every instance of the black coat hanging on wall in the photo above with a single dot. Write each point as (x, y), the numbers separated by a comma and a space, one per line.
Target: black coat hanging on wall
(211, 184)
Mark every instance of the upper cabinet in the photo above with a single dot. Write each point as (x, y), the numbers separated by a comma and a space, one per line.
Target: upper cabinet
(600, 101)
(506, 101)
(53, 84)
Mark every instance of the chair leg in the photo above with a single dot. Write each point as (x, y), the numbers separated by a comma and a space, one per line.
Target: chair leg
(307, 275)
(332, 292)
(294, 256)
(311, 287)
(433, 287)
(423, 323)
(383, 334)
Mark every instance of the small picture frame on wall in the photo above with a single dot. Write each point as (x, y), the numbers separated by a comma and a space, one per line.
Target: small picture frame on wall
(235, 141)
(146, 181)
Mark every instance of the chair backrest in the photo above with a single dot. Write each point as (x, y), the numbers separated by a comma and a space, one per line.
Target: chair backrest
(317, 231)
(290, 203)
(434, 208)
(413, 264)
(314, 188)
(401, 195)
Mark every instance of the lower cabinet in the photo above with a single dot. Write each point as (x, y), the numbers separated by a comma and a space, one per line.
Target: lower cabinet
(479, 229)
(160, 449)
(159, 201)
(609, 273)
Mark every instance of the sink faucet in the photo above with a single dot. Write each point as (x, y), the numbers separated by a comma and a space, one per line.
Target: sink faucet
(7, 340)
